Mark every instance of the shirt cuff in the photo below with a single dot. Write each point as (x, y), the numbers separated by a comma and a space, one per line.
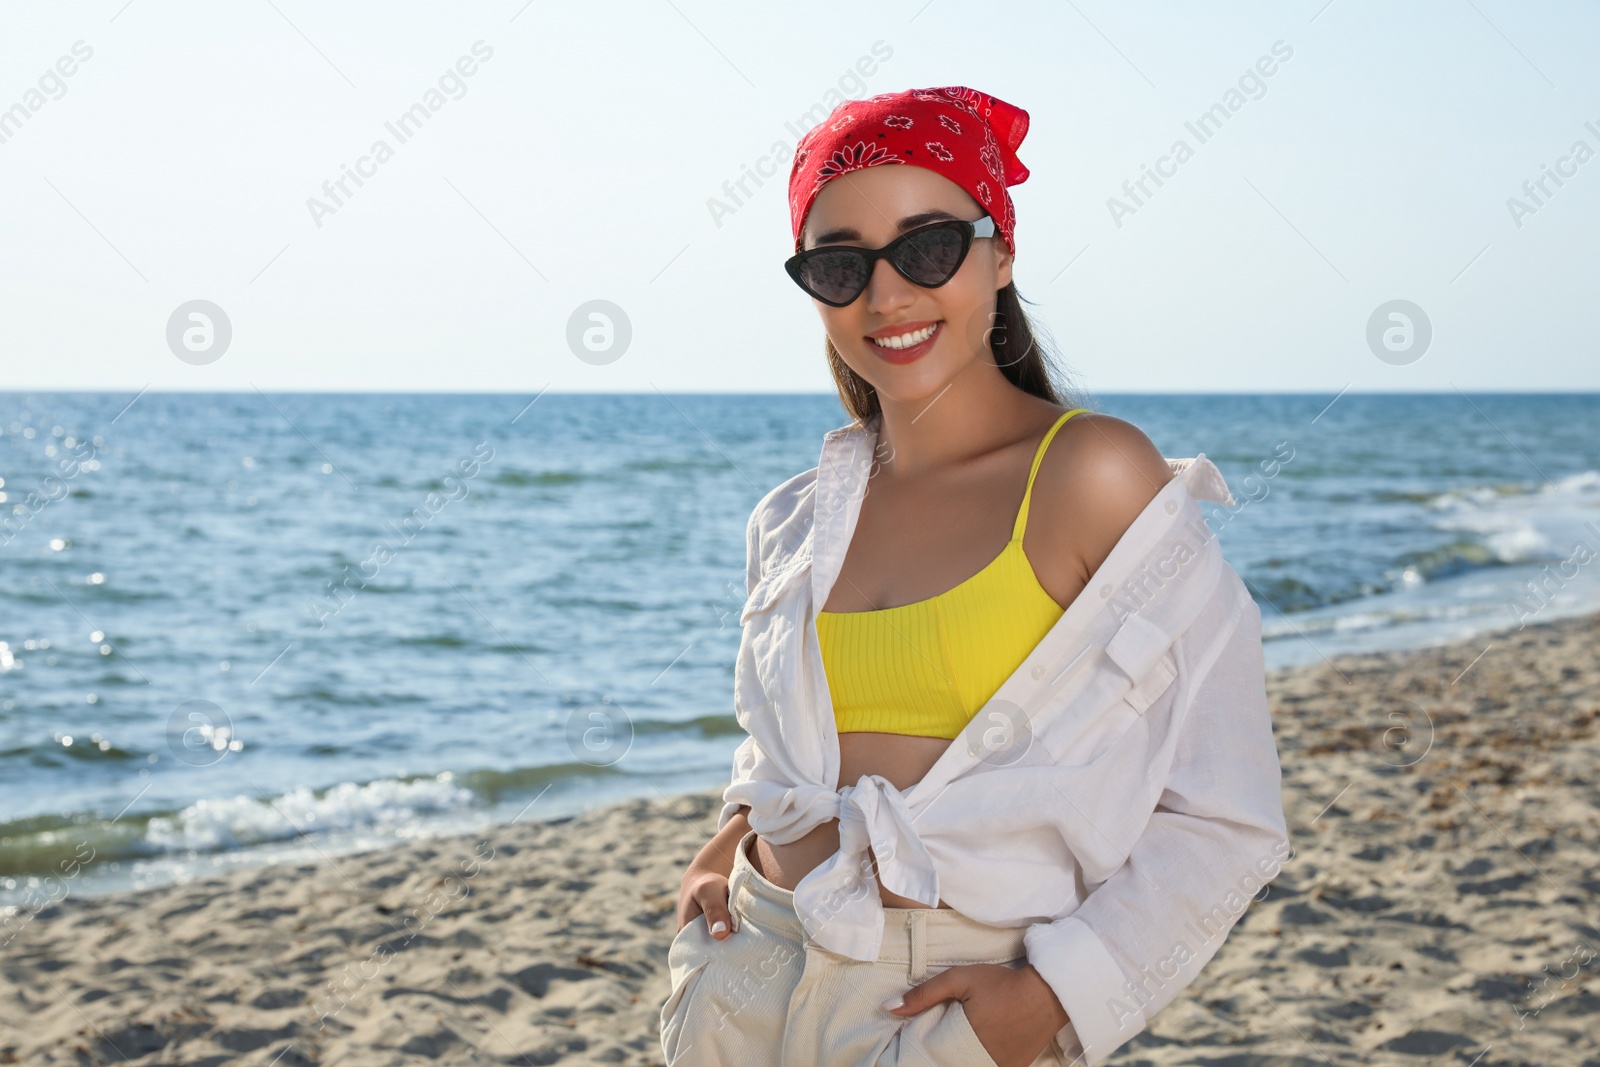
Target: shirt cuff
(1089, 984)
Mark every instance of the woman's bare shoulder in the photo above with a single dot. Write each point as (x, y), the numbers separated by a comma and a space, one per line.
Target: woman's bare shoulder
(1096, 477)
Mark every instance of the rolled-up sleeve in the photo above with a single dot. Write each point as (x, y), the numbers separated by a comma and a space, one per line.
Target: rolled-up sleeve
(1216, 837)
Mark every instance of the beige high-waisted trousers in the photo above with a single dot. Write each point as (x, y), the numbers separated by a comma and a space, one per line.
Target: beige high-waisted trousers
(767, 996)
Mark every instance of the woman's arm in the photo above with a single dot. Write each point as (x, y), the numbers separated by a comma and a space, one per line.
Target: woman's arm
(1217, 836)
(705, 882)
(717, 855)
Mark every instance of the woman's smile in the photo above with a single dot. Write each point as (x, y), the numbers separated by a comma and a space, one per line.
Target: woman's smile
(898, 344)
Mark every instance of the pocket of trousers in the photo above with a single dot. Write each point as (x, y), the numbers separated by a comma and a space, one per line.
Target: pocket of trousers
(962, 1026)
(941, 1036)
(686, 963)
(675, 1011)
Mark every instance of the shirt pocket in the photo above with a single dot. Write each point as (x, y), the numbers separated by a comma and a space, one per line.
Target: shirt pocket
(1098, 738)
(1143, 653)
(1130, 709)
(1152, 685)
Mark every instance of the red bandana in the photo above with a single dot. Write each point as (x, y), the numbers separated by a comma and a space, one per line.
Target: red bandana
(967, 136)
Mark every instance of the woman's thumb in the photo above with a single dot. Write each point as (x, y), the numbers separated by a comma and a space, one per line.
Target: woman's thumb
(713, 900)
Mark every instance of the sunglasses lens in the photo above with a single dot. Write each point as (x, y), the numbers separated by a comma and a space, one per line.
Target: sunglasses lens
(836, 276)
(931, 256)
(927, 257)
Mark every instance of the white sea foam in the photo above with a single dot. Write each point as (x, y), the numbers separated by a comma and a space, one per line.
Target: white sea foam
(1520, 524)
(1581, 482)
(388, 806)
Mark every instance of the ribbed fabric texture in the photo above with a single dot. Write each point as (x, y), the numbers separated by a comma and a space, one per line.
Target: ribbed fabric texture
(926, 668)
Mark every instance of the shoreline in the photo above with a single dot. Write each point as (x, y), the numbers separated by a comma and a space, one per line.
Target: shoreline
(1441, 802)
(123, 874)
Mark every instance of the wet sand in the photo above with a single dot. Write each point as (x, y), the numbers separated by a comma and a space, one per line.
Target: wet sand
(1443, 904)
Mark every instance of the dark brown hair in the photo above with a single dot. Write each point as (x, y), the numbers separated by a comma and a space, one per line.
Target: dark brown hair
(1018, 350)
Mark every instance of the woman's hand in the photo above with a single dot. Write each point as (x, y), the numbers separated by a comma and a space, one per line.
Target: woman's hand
(705, 883)
(706, 892)
(1012, 1010)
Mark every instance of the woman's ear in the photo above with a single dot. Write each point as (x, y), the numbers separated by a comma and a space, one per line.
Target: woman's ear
(1002, 264)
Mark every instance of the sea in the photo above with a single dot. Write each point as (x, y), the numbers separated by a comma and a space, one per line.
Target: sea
(248, 628)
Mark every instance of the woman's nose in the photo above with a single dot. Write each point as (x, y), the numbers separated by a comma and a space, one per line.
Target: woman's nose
(887, 289)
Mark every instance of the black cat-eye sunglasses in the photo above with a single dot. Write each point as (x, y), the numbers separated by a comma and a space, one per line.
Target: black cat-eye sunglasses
(927, 256)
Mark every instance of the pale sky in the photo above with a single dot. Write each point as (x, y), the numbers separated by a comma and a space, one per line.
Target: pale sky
(580, 158)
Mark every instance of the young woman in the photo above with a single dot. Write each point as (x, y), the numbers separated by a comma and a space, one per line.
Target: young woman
(1010, 766)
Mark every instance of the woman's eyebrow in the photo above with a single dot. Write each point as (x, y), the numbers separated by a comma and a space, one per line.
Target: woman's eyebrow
(910, 222)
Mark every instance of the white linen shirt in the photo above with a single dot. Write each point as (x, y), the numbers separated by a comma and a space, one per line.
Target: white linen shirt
(1118, 795)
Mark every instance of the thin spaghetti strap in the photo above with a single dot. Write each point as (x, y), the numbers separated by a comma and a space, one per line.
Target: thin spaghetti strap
(1027, 494)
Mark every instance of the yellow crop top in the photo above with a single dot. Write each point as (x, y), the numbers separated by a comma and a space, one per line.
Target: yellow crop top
(925, 668)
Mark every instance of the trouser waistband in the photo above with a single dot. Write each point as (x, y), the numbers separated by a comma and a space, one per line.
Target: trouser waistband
(920, 937)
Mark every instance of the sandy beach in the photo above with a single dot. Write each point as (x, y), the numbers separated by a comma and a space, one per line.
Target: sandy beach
(1442, 906)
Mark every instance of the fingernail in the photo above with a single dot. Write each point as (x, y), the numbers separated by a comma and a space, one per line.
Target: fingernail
(718, 926)
(891, 1005)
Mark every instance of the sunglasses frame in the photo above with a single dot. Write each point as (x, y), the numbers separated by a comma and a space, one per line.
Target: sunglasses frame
(970, 230)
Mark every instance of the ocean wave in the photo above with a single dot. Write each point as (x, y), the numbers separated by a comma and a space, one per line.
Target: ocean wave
(724, 725)
(387, 805)
(1580, 483)
(50, 850)
(1375, 618)
(1493, 546)
(518, 478)
(398, 808)
(64, 749)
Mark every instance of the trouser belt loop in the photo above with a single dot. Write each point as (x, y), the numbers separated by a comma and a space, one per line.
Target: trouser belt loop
(919, 945)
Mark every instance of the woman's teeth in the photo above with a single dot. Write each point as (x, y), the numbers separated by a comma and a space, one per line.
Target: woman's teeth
(906, 340)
